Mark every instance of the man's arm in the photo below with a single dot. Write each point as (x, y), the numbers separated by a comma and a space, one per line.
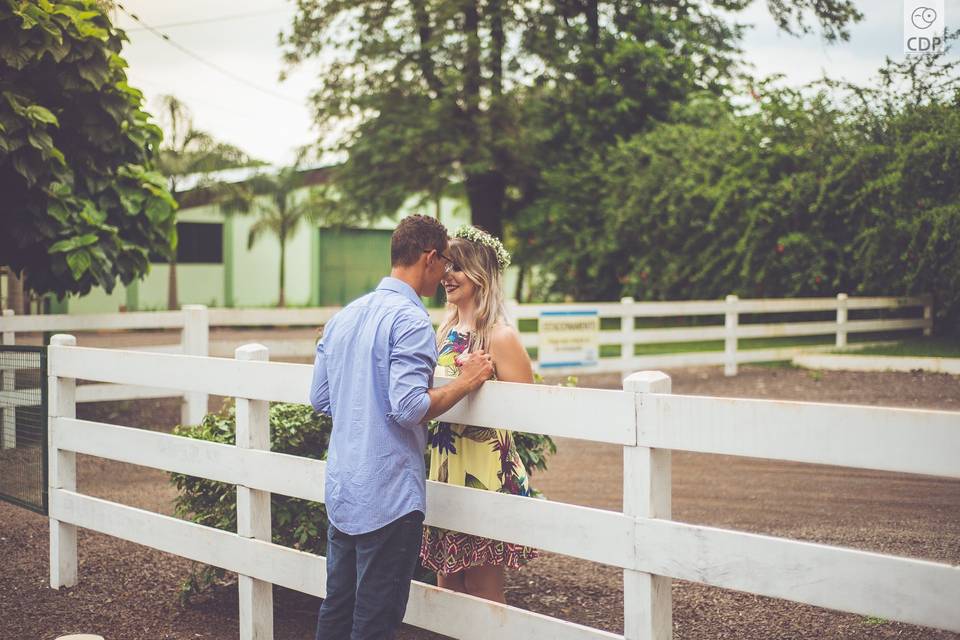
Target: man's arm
(320, 387)
(476, 370)
(413, 355)
(412, 360)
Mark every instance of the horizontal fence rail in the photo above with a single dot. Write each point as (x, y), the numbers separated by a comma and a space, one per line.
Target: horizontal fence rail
(651, 548)
(194, 322)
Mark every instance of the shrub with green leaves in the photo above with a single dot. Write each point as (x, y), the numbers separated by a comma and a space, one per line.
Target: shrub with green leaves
(295, 429)
(80, 205)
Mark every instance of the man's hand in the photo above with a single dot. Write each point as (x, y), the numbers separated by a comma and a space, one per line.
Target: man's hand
(476, 368)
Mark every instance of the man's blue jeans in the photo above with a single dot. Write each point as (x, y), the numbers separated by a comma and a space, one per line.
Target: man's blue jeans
(368, 580)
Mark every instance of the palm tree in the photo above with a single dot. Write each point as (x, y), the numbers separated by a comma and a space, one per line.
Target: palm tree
(187, 150)
(282, 212)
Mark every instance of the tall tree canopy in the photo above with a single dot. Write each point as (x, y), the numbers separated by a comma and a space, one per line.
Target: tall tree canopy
(80, 206)
(806, 193)
(499, 93)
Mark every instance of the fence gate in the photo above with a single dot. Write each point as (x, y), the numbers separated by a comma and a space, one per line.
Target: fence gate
(23, 426)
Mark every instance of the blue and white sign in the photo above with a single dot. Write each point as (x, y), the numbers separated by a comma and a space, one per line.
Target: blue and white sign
(569, 338)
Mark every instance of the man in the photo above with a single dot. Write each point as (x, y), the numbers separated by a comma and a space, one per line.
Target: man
(373, 373)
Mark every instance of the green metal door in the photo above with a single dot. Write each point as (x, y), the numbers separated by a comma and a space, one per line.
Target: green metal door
(352, 262)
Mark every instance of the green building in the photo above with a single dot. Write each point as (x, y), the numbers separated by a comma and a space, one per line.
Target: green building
(324, 266)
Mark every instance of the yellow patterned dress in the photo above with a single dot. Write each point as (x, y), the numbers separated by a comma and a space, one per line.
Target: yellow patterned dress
(476, 457)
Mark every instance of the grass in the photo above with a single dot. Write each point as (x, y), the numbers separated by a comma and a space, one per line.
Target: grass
(935, 347)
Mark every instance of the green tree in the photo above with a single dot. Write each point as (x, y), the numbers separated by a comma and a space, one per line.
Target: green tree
(809, 192)
(472, 91)
(187, 150)
(80, 205)
(284, 206)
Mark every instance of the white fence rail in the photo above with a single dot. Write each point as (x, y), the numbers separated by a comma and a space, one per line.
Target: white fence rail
(652, 549)
(194, 323)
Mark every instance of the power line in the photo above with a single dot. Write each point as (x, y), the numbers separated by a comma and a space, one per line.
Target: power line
(160, 89)
(204, 61)
(235, 16)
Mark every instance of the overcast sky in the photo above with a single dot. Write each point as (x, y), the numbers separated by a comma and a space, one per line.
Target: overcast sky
(249, 107)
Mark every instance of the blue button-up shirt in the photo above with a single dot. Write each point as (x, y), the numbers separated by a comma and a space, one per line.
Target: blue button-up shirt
(373, 368)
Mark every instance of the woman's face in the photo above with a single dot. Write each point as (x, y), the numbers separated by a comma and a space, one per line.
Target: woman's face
(459, 287)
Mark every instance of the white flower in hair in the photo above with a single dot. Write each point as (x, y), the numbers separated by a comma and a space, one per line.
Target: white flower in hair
(471, 233)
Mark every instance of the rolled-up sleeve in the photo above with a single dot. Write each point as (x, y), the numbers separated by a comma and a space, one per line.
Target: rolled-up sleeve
(320, 386)
(413, 356)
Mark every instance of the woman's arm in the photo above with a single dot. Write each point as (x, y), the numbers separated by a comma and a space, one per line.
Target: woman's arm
(510, 359)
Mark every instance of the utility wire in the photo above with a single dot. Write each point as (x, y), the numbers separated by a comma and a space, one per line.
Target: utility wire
(236, 16)
(206, 62)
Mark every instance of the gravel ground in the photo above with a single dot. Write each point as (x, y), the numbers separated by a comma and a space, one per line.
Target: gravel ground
(130, 592)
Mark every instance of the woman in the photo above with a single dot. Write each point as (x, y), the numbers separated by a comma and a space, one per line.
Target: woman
(470, 456)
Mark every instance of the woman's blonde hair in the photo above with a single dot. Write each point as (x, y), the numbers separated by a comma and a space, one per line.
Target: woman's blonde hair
(479, 264)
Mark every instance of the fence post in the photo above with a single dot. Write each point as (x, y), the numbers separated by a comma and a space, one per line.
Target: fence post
(8, 416)
(253, 507)
(928, 314)
(730, 323)
(841, 320)
(62, 470)
(647, 601)
(195, 341)
(626, 328)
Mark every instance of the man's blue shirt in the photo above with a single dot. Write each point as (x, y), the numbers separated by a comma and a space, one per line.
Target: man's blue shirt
(372, 372)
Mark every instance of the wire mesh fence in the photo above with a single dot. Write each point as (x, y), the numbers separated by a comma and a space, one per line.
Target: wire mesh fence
(23, 426)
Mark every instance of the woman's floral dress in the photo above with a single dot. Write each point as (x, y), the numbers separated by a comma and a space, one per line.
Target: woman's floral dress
(476, 457)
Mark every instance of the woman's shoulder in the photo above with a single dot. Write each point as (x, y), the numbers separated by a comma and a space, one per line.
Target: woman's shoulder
(503, 333)
(505, 339)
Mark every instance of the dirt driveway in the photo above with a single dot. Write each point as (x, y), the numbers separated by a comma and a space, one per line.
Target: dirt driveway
(129, 592)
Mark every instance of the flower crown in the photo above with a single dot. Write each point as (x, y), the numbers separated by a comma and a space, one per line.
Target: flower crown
(471, 233)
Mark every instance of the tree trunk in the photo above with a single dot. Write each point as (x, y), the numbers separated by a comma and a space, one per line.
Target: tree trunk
(486, 193)
(173, 298)
(14, 292)
(283, 269)
(498, 41)
(173, 302)
(521, 276)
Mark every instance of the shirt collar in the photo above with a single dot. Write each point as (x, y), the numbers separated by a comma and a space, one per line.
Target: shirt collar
(399, 286)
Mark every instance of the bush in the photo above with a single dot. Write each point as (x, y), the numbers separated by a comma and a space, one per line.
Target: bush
(295, 429)
(806, 193)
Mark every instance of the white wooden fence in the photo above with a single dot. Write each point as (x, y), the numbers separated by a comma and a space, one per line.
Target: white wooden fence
(644, 418)
(732, 329)
(194, 323)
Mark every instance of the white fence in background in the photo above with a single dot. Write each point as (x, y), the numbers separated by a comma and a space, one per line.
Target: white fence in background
(194, 322)
(644, 418)
(732, 329)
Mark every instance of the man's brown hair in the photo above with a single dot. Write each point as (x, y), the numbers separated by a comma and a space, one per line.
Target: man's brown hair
(414, 235)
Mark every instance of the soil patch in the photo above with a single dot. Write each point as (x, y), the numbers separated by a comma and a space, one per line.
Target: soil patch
(130, 592)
